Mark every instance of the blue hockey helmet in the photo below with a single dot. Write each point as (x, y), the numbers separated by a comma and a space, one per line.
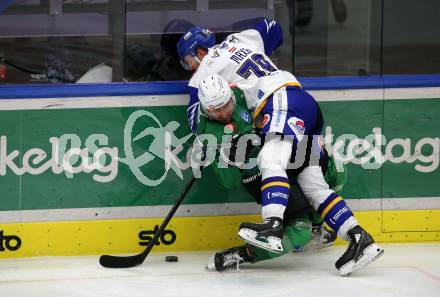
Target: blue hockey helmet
(193, 39)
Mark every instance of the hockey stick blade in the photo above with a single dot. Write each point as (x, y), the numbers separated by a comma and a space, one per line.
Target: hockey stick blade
(110, 261)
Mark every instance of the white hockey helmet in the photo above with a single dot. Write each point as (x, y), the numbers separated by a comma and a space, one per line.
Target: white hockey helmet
(214, 92)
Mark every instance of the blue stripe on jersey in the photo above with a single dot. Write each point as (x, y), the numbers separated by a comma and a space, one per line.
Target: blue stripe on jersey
(193, 109)
(271, 33)
(294, 114)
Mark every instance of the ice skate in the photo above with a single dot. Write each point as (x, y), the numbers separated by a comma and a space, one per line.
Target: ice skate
(321, 238)
(267, 235)
(231, 258)
(361, 251)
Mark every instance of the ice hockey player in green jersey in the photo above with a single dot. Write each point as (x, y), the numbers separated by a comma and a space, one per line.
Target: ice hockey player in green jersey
(227, 119)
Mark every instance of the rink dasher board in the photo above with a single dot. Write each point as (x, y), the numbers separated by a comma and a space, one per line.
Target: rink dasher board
(407, 117)
(186, 233)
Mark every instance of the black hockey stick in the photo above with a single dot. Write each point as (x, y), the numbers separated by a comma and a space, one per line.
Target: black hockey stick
(131, 261)
(18, 67)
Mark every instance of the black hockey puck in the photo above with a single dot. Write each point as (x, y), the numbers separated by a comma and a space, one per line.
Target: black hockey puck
(171, 259)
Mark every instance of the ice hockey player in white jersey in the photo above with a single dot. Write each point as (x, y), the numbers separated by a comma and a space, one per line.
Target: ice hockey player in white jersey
(241, 59)
(290, 118)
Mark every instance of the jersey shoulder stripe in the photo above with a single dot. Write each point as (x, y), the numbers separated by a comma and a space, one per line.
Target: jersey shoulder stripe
(193, 109)
(271, 33)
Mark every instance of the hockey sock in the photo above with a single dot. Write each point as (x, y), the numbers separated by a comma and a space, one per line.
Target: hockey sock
(274, 196)
(336, 212)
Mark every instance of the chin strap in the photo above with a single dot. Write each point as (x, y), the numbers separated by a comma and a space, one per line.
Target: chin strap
(198, 60)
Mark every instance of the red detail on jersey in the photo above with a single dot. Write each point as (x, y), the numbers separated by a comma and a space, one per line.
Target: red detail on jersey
(232, 49)
(300, 126)
(230, 126)
(266, 120)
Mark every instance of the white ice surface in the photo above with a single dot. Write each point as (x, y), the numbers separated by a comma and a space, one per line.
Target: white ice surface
(404, 270)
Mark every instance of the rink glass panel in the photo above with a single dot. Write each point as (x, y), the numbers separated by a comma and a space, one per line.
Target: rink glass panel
(59, 41)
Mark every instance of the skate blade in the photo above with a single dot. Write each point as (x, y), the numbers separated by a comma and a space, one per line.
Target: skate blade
(273, 244)
(211, 264)
(370, 254)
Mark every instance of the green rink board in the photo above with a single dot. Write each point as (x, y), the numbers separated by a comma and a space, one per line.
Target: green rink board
(406, 125)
